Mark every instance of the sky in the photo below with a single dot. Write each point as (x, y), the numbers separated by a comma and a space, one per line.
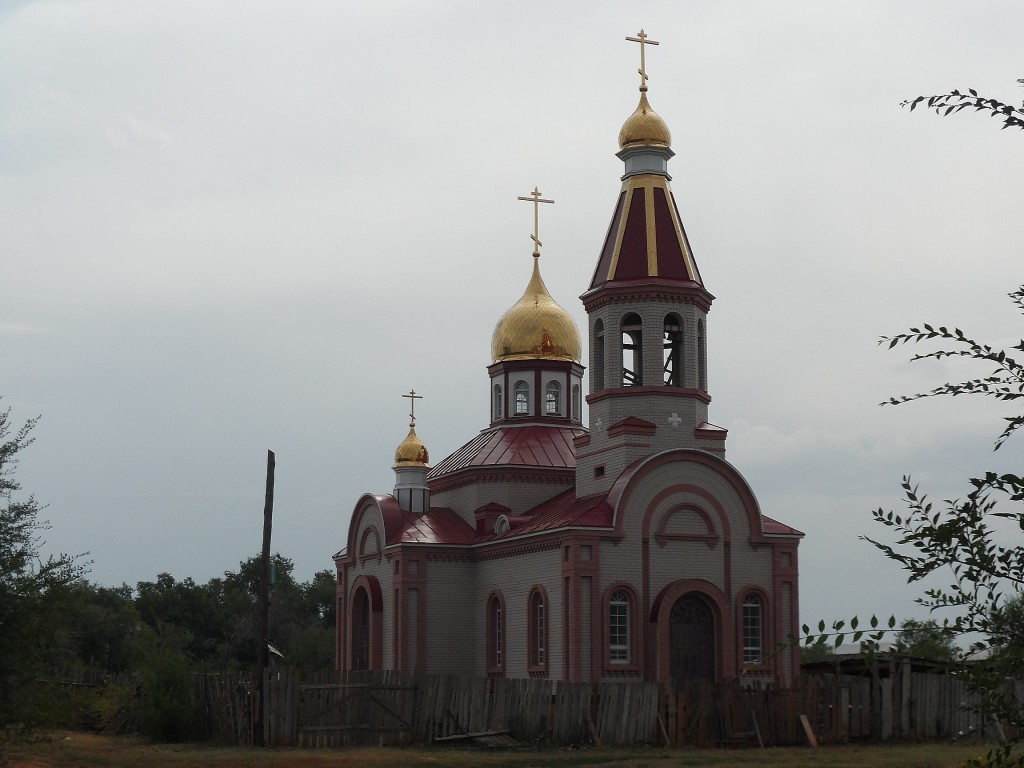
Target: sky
(247, 225)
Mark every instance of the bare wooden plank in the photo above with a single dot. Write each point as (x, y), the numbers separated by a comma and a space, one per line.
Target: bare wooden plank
(811, 739)
(465, 736)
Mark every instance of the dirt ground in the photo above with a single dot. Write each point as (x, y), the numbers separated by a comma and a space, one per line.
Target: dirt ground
(82, 750)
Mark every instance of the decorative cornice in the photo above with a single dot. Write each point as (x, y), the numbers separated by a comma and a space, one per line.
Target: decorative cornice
(475, 475)
(664, 391)
(646, 290)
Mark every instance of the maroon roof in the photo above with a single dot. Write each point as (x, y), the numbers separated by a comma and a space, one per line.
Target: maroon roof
(775, 528)
(437, 526)
(530, 446)
(629, 241)
(561, 511)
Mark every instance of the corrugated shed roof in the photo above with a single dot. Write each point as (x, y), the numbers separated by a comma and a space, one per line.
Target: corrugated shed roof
(529, 446)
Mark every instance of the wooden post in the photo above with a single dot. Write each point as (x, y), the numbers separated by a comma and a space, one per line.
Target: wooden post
(264, 604)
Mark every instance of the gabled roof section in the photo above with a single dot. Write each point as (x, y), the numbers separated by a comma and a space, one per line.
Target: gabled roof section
(527, 446)
(437, 526)
(562, 511)
(775, 528)
(646, 239)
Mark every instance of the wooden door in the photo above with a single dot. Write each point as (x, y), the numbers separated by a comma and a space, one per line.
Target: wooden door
(691, 640)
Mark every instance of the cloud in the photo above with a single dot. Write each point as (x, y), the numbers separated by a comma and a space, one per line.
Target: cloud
(130, 132)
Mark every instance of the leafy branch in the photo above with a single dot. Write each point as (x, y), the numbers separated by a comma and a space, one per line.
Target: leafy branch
(950, 103)
(1005, 383)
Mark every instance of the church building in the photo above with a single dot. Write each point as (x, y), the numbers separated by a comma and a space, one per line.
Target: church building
(627, 548)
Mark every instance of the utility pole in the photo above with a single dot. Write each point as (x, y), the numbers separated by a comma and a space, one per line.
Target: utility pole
(264, 605)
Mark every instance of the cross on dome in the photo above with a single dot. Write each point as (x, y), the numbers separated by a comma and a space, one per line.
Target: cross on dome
(536, 199)
(413, 397)
(643, 40)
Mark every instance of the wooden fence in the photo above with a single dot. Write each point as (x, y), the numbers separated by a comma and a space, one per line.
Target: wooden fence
(334, 709)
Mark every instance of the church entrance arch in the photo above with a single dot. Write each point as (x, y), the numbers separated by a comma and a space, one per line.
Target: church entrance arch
(692, 640)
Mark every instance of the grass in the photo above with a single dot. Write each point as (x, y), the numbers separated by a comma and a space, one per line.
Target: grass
(67, 749)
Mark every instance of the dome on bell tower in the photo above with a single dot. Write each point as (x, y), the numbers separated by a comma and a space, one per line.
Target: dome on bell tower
(536, 327)
(644, 127)
(411, 452)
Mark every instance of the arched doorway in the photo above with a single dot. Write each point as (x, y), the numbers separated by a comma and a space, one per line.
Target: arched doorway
(361, 630)
(692, 640)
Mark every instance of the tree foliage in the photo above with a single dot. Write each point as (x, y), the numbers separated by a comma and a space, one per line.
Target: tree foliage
(955, 101)
(926, 640)
(976, 543)
(33, 590)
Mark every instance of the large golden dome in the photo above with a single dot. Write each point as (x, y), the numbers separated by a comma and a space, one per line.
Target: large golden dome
(411, 452)
(536, 327)
(644, 126)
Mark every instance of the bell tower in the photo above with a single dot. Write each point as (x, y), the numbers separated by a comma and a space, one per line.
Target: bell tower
(647, 318)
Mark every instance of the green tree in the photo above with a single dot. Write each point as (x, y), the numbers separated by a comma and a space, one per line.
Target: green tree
(975, 542)
(926, 640)
(1007, 631)
(33, 590)
(954, 101)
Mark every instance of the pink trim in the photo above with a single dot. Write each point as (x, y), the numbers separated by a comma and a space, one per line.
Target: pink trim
(533, 667)
(375, 654)
(496, 670)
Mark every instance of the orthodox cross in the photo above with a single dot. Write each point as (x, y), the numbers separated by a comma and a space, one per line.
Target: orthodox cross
(413, 397)
(643, 40)
(536, 199)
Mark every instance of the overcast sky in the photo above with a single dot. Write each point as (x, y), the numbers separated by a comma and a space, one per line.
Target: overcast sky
(233, 226)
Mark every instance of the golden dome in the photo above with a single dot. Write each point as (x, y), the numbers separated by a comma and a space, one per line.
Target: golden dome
(644, 126)
(536, 327)
(411, 452)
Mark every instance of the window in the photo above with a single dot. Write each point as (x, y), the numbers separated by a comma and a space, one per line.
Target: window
(522, 391)
(597, 371)
(618, 627)
(551, 397)
(672, 350)
(495, 635)
(577, 403)
(632, 351)
(497, 402)
(752, 630)
(537, 630)
(702, 363)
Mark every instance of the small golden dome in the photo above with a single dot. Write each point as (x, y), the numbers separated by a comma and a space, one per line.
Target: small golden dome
(536, 327)
(411, 452)
(644, 126)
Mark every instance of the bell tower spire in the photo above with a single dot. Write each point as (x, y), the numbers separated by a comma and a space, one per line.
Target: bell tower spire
(647, 308)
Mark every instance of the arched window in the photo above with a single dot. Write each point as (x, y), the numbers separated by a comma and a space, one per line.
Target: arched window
(537, 627)
(497, 402)
(597, 371)
(552, 395)
(522, 391)
(632, 351)
(619, 628)
(672, 350)
(495, 635)
(752, 629)
(702, 362)
(577, 403)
